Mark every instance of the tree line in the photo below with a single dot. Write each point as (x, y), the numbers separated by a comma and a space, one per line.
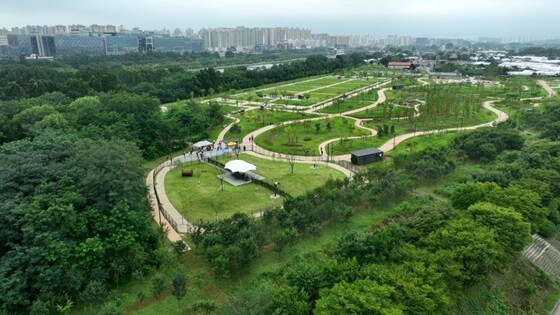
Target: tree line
(131, 117)
(74, 221)
(167, 83)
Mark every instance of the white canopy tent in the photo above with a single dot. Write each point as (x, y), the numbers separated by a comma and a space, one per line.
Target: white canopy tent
(239, 166)
(202, 144)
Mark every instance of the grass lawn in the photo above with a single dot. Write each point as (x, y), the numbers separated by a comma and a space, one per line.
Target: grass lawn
(423, 142)
(295, 86)
(298, 138)
(345, 146)
(253, 120)
(302, 180)
(201, 198)
(422, 124)
(383, 110)
(312, 100)
(359, 101)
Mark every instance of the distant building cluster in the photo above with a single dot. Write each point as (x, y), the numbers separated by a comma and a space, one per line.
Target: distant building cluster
(259, 38)
(60, 40)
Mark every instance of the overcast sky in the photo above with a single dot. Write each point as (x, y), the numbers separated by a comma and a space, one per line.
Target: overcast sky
(380, 18)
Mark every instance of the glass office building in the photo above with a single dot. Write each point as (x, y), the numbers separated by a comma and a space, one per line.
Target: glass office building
(172, 44)
(71, 45)
(116, 45)
(17, 46)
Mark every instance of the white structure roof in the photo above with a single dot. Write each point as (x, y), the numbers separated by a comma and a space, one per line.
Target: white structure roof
(201, 144)
(239, 166)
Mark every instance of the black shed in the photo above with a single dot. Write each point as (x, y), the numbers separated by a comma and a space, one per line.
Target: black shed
(366, 156)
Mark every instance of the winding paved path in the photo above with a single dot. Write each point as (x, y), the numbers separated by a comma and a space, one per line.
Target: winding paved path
(547, 87)
(184, 226)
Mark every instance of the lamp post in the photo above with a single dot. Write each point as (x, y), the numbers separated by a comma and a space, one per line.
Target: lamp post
(160, 208)
(276, 185)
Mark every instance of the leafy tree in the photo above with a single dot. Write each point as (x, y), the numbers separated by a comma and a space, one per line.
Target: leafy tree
(512, 232)
(13, 91)
(370, 247)
(474, 247)
(288, 300)
(94, 292)
(361, 297)
(308, 277)
(284, 238)
(471, 193)
(179, 286)
(524, 201)
(206, 306)
(158, 284)
(179, 247)
(419, 287)
(252, 299)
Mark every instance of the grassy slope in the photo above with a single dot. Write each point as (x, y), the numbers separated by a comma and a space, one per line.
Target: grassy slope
(277, 140)
(253, 120)
(200, 196)
(302, 180)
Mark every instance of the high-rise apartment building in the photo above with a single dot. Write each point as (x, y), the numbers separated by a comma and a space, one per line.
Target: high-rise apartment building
(220, 39)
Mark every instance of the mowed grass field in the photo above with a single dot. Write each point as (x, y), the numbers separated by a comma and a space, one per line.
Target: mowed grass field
(402, 126)
(200, 198)
(294, 87)
(356, 102)
(255, 119)
(303, 179)
(305, 137)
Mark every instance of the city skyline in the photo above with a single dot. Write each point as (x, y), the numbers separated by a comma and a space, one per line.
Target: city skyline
(434, 18)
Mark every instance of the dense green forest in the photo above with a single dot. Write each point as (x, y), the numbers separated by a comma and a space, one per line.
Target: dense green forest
(75, 219)
(167, 83)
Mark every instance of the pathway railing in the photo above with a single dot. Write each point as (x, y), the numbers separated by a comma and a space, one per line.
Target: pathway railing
(161, 209)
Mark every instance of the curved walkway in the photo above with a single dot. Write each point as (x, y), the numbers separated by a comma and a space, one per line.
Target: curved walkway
(547, 87)
(389, 145)
(183, 226)
(172, 235)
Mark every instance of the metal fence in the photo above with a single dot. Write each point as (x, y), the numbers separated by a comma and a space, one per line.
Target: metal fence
(162, 210)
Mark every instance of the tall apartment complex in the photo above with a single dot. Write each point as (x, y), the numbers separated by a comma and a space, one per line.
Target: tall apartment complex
(242, 38)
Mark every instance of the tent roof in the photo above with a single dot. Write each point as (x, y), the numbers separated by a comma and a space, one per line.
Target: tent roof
(239, 166)
(203, 143)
